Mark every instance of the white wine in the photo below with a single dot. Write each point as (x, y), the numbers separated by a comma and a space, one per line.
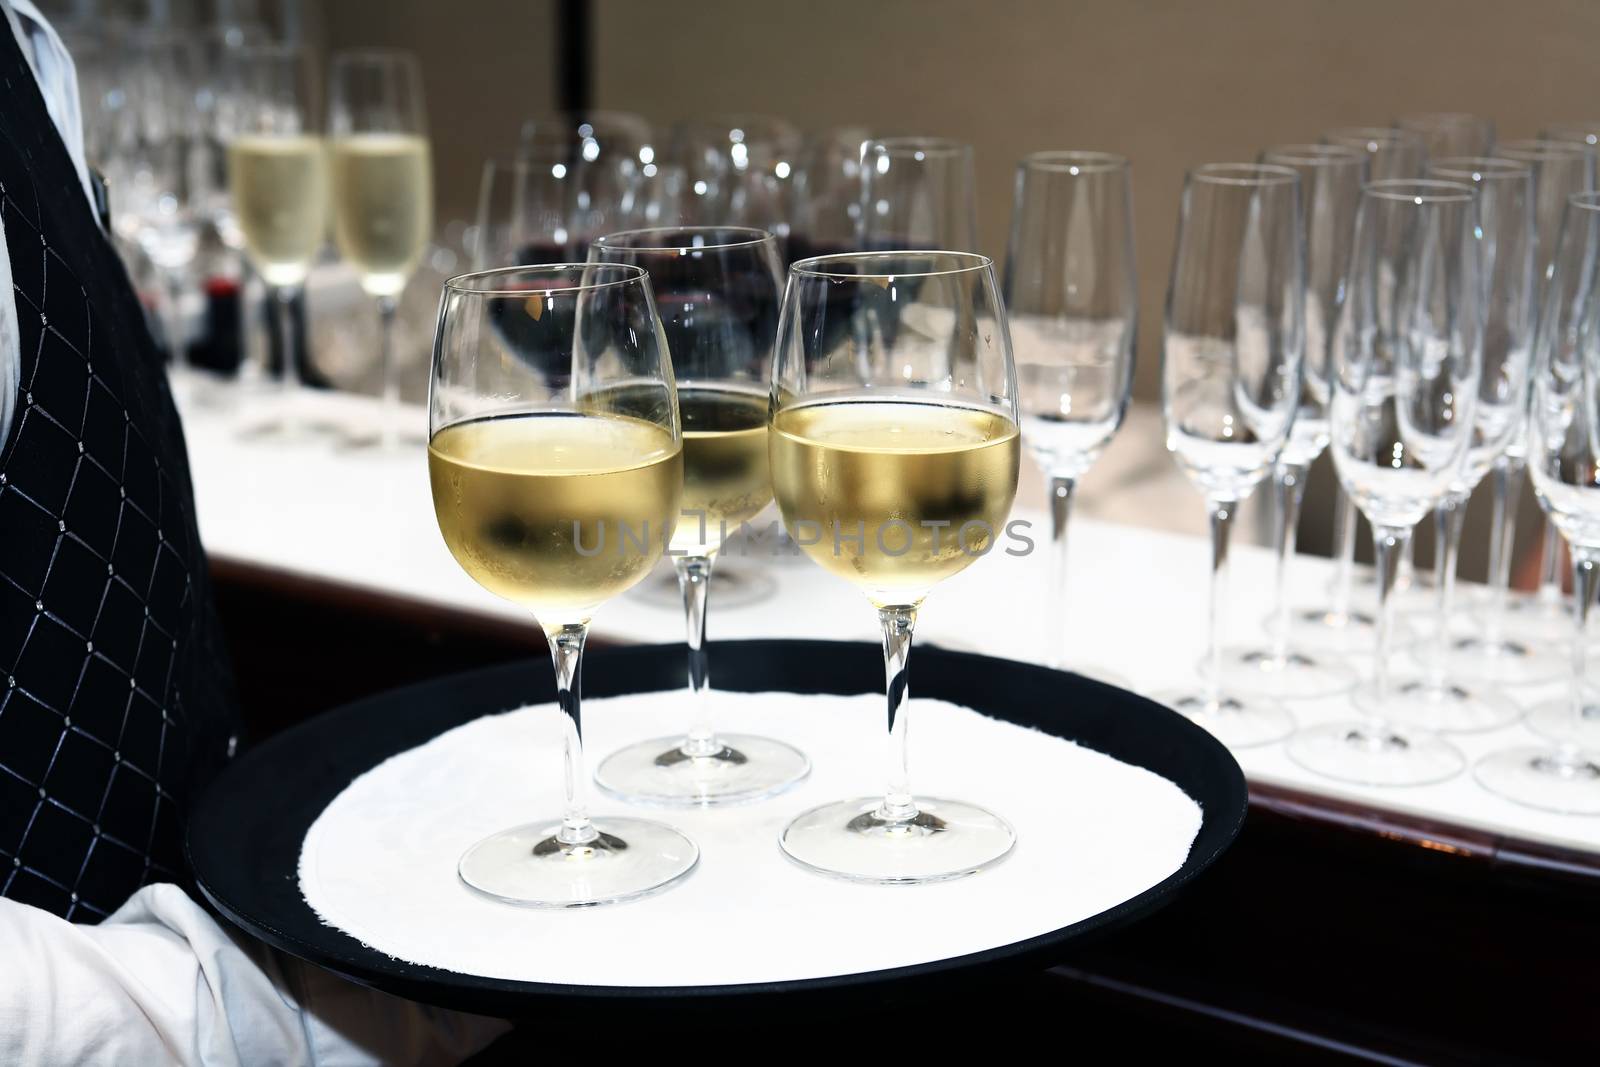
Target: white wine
(725, 472)
(557, 511)
(894, 495)
(383, 206)
(279, 187)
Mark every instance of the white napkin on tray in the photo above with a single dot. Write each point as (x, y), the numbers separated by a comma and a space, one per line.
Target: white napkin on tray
(380, 862)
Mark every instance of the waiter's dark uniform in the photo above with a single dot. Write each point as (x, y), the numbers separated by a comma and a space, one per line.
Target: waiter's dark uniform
(117, 701)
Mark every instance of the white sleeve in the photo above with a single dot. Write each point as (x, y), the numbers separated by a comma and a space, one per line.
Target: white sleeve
(161, 982)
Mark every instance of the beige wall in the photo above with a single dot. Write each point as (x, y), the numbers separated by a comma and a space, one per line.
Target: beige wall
(1167, 82)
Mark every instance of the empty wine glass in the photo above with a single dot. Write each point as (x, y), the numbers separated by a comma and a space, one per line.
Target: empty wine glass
(895, 481)
(382, 181)
(1330, 192)
(1437, 697)
(607, 160)
(543, 440)
(1564, 458)
(1514, 645)
(1391, 153)
(525, 211)
(1451, 133)
(918, 193)
(1408, 349)
(1231, 382)
(1072, 294)
(716, 292)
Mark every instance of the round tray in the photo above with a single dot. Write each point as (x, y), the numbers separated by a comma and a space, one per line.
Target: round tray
(245, 833)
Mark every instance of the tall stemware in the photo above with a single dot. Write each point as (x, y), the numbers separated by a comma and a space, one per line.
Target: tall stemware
(1072, 294)
(1231, 383)
(894, 480)
(1330, 188)
(716, 291)
(1409, 349)
(382, 173)
(555, 457)
(1564, 458)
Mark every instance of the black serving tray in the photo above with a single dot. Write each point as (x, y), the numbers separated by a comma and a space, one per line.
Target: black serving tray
(246, 831)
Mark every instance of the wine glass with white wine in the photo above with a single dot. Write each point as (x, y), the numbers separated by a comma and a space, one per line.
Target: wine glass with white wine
(894, 450)
(717, 290)
(278, 182)
(382, 188)
(555, 456)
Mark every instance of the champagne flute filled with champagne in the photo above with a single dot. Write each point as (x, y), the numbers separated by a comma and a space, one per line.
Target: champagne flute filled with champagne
(556, 462)
(894, 450)
(278, 182)
(382, 187)
(716, 292)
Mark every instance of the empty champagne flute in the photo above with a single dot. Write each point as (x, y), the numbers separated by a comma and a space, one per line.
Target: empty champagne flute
(556, 463)
(1437, 696)
(382, 188)
(1564, 458)
(1405, 387)
(1072, 294)
(1391, 154)
(1330, 192)
(1231, 383)
(717, 292)
(278, 181)
(1451, 133)
(918, 193)
(894, 482)
(1514, 644)
(1561, 168)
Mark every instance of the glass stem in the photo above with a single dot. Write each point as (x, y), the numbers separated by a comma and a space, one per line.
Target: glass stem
(898, 623)
(566, 652)
(1061, 488)
(1291, 485)
(1221, 525)
(1550, 565)
(1389, 544)
(1344, 552)
(1585, 583)
(389, 406)
(1447, 520)
(173, 324)
(694, 581)
(1508, 476)
(283, 298)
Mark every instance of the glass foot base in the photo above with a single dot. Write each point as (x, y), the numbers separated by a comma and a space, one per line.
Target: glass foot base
(946, 839)
(1236, 721)
(1389, 756)
(1554, 719)
(1443, 706)
(1506, 661)
(1344, 632)
(1296, 675)
(1543, 778)
(527, 866)
(745, 768)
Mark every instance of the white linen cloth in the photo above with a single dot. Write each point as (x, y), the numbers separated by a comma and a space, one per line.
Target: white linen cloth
(380, 862)
(160, 982)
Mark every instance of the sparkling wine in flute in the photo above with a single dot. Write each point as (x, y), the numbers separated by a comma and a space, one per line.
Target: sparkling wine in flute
(279, 188)
(383, 196)
(894, 495)
(558, 512)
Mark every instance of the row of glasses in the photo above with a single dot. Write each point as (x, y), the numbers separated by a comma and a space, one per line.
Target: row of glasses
(542, 439)
(373, 174)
